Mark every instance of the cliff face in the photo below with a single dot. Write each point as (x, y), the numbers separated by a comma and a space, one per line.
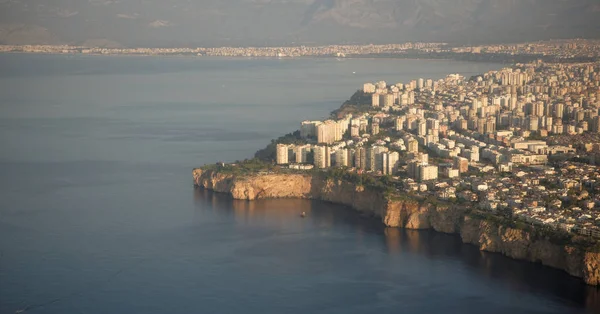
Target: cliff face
(292, 186)
(519, 244)
(410, 214)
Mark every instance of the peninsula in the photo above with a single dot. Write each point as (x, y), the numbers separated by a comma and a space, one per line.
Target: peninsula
(506, 159)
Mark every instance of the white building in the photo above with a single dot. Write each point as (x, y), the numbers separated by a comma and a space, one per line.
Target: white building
(309, 128)
(327, 132)
(375, 161)
(301, 153)
(282, 154)
(322, 156)
(390, 162)
(427, 172)
(375, 100)
(368, 88)
(342, 158)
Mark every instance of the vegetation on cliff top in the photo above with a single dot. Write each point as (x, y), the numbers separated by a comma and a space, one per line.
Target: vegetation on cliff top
(381, 184)
(359, 102)
(554, 235)
(268, 153)
(244, 167)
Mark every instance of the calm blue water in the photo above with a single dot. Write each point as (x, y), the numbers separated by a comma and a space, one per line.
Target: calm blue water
(98, 213)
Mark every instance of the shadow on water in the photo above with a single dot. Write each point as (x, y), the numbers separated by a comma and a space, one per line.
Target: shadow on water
(517, 275)
(520, 276)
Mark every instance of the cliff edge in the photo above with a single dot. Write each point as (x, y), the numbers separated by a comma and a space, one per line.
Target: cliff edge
(404, 212)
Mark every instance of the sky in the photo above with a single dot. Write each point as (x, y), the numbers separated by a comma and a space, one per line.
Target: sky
(207, 23)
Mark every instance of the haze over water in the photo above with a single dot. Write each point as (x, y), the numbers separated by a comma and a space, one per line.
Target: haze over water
(98, 213)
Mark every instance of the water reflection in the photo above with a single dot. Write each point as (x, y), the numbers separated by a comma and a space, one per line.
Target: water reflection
(514, 275)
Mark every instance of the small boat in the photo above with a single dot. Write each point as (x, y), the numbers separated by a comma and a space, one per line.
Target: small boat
(303, 214)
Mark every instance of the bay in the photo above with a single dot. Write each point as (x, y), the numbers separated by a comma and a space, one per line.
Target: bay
(98, 213)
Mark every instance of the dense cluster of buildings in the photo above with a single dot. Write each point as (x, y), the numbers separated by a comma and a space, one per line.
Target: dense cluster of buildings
(568, 49)
(481, 140)
(291, 51)
(565, 48)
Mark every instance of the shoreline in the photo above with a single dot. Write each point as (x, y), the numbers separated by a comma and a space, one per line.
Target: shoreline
(457, 57)
(366, 57)
(403, 211)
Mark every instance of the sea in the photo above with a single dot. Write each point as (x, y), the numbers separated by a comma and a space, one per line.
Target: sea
(98, 213)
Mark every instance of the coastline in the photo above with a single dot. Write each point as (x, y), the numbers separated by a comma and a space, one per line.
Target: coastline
(404, 211)
(191, 56)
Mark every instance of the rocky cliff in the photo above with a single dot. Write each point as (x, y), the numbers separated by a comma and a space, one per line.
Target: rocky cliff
(408, 213)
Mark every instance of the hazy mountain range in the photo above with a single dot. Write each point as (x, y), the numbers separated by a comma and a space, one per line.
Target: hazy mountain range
(154, 23)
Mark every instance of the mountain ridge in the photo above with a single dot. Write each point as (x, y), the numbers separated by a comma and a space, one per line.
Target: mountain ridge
(154, 23)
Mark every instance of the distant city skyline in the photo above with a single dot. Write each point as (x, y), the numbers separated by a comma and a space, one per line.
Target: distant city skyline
(568, 50)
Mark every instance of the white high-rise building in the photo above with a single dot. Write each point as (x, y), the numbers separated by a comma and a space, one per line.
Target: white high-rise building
(375, 100)
(282, 154)
(309, 128)
(330, 131)
(422, 128)
(375, 162)
(413, 168)
(375, 127)
(360, 158)
(386, 100)
(399, 123)
(354, 127)
(390, 162)
(342, 157)
(428, 172)
(433, 124)
(322, 156)
(412, 145)
(475, 104)
(429, 83)
(301, 153)
(403, 99)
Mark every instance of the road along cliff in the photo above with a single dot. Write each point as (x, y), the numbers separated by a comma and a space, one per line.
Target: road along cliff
(404, 212)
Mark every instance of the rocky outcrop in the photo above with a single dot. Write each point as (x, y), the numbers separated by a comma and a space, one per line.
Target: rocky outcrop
(410, 214)
(520, 244)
